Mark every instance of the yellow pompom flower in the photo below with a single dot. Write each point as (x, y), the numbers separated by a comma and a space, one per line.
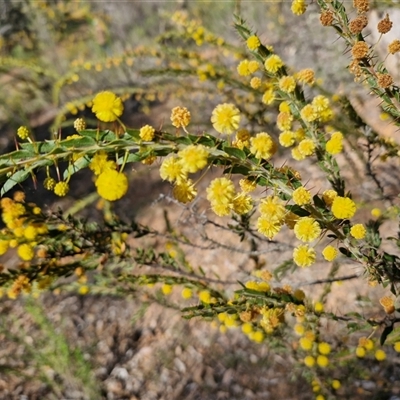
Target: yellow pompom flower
(255, 82)
(268, 227)
(25, 252)
(301, 196)
(272, 207)
(193, 158)
(324, 348)
(3, 247)
(328, 196)
(336, 384)
(253, 42)
(268, 97)
(146, 133)
(343, 207)
(100, 163)
(180, 117)
(322, 361)
(187, 293)
(284, 121)
(23, 132)
(242, 203)
(298, 7)
(306, 76)
(221, 210)
(80, 124)
(287, 84)
(308, 113)
(243, 68)
(273, 63)
(319, 307)
(112, 185)
(247, 185)
(380, 355)
(287, 138)
(306, 147)
(205, 296)
(358, 231)
(297, 154)
(171, 170)
(376, 212)
(299, 329)
(247, 328)
(61, 189)
(307, 229)
(360, 352)
(305, 343)
(367, 343)
(284, 107)
(184, 191)
(107, 106)
(166, 289)
(253, 66)
(30, 232)
(397, 347)
(221, 191)
(225, 118)
(329, 253)
(304, 256)
(263, 146)
(309, 361)
(335, 144)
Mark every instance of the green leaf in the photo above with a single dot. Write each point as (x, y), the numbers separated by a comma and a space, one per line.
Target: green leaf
(318, 202)
(11, 158)
(296, 209)
(208, 141)
(386, 332)
(78, 142)
(183, 140)
(80, 163)
(135, 133)
(237, 169)
(16, 178)
(102, 136)
(346, 252)
(235, 152)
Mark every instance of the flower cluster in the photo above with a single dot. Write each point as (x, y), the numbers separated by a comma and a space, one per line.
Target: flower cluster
(21, 232)
(224, 199)
(111, 184)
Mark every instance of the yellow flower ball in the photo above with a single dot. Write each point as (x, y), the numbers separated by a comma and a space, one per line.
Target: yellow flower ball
(301, 196)
(253, 42)
(324, 348)
(107, 106)
(330, 253)
(322, 361)
(358, 231)
(309, 361)
(304, 256)
(112, 185)
(166, 289)
(225, 118)
(187, 293)
(360, 352)
(343, 207)
(307, 229)
(319, 307)
(380, 355)
(336, 384)
(25, 252)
